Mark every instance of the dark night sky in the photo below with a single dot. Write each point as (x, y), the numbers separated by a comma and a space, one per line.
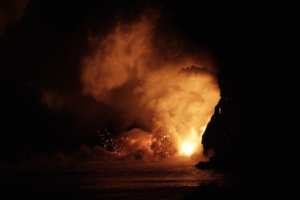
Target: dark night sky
(254, 44)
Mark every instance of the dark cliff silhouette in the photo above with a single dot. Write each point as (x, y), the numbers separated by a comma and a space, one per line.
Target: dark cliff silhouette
(254, 128)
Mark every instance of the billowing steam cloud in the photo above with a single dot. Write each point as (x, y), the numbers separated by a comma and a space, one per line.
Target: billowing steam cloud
(151, 89)
(144, 77)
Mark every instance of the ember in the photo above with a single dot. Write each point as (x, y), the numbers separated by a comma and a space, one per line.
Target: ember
(160, 144)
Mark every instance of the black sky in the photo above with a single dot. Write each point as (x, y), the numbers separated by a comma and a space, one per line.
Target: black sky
(253, 43)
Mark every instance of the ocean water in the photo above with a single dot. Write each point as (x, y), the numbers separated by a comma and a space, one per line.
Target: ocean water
(167, 179)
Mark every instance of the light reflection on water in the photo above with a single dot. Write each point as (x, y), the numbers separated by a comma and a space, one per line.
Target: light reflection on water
(115, 179)
(149, 175)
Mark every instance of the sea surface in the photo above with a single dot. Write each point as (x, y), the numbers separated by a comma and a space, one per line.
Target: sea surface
(176, 179)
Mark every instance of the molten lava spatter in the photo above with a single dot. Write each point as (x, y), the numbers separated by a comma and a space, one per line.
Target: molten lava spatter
(161, 144)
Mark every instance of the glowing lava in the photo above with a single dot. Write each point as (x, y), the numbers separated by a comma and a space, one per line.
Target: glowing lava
(187, 149)
(190, 144)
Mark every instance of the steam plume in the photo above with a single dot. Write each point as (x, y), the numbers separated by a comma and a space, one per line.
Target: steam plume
(151, 89)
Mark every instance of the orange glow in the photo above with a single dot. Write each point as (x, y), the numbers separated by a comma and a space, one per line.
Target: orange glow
(135, 71)
(193, 140)
(187, 149)
(190, 143)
